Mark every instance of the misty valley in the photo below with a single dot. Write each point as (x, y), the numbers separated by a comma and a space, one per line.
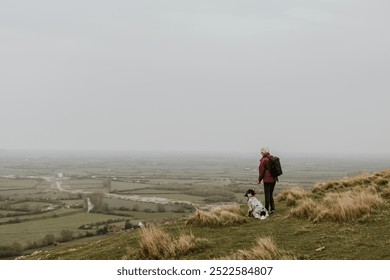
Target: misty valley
(47, 198)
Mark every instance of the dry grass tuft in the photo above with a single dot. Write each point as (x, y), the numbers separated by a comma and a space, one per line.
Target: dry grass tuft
(217, 217)
(264, 249)
(340, 207)
(292, 195)
(351, 205)
(386, 191)
(156, 244)
(379, 180)
(306, 209)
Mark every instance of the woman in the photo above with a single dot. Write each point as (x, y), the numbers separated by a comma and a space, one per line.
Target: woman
(268, 180)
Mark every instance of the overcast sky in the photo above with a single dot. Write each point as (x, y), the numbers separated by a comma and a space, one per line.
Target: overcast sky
(296, 76)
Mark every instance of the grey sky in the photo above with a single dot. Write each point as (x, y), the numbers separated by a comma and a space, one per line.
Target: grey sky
(297, 76)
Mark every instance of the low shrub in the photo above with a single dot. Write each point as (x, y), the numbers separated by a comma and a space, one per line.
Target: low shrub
(66, 235)
(12, 250)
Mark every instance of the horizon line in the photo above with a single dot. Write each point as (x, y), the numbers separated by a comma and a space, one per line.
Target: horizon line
(192, 152)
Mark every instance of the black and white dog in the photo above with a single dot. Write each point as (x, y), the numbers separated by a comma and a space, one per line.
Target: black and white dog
(255, 207)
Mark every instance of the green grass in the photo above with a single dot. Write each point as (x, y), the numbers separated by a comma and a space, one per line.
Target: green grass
(39, 216)
(35, 230)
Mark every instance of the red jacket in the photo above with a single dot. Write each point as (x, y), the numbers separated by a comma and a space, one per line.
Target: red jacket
(264, 170)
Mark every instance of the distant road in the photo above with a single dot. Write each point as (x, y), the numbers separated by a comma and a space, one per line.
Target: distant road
(55, 184)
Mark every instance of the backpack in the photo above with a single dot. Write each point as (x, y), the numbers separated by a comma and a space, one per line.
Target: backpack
(275, 167)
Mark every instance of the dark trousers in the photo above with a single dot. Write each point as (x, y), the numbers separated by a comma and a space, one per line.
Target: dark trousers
(269, 196)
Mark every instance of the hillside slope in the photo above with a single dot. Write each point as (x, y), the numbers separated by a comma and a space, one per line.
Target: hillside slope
(344, 219)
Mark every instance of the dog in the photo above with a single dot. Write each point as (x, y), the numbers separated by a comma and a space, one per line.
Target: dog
(255, 207)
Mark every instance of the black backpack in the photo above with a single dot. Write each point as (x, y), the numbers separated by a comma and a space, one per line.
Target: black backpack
(275, 167)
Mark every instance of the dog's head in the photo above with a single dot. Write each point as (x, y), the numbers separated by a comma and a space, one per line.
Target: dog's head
(250, 192)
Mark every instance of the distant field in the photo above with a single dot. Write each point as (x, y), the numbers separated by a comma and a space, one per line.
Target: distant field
(38, 229)
(44, 195)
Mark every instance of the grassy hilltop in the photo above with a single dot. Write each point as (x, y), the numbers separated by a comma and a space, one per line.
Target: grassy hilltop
(344, 219)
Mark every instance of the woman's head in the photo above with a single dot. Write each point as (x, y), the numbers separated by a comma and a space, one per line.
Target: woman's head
(264, 150)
